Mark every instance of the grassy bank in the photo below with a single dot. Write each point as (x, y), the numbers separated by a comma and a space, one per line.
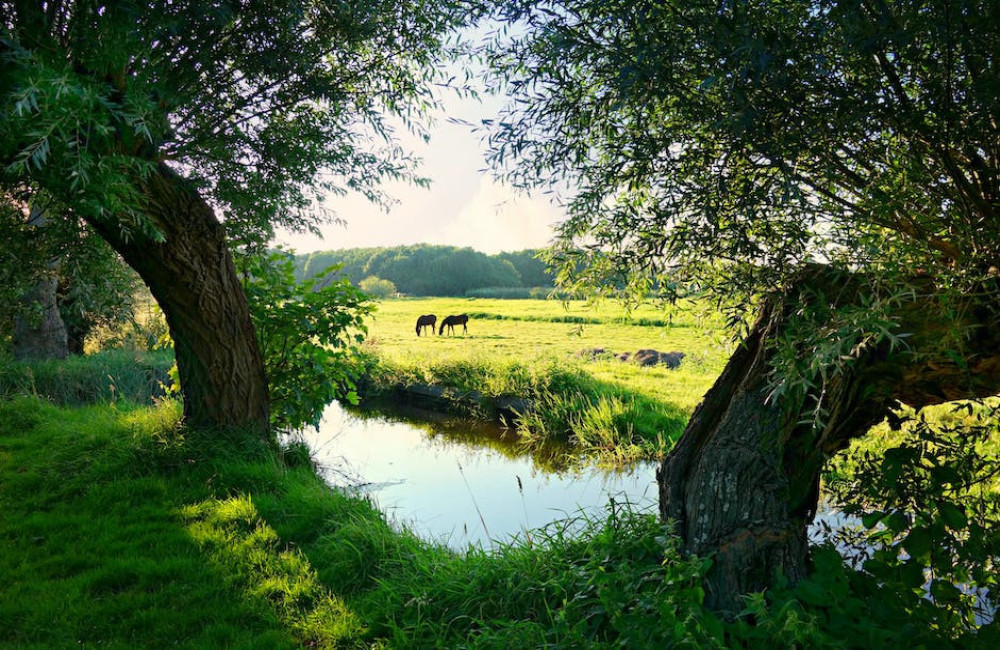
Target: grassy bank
(618, 411)
(120, 528)
(109, 376)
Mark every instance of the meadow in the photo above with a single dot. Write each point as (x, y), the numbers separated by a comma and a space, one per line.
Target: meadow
(122, 528)
(539, 349)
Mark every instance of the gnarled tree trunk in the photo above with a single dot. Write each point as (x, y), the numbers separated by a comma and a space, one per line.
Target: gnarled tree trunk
(742, 484)
(192, 277)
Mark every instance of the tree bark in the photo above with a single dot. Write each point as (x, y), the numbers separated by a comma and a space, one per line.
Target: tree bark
(192, 276)
(742, 484)
(40, 335)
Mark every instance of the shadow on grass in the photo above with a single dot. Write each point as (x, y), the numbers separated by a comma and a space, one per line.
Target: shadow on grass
(118, 529)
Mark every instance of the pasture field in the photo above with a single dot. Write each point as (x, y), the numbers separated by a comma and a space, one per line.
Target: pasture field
(535, 348)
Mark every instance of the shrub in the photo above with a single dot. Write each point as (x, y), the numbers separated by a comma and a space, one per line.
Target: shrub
(377, 287)
(305, 333)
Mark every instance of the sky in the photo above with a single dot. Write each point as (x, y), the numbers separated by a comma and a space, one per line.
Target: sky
(464, 205)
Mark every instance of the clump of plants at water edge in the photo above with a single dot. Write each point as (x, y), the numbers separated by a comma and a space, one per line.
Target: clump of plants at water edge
(929, 506)
(568, 405)
(616, 581)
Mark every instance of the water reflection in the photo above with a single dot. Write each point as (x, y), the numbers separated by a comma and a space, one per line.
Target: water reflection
(462, 483)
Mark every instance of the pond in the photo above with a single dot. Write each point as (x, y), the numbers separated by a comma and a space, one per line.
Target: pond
(464, 483)
(461, 483)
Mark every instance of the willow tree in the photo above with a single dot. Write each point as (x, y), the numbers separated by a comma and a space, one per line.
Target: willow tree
(167, 125)
(833, 166)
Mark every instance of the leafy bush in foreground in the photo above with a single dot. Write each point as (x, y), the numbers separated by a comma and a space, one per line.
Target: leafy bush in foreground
(305, 332)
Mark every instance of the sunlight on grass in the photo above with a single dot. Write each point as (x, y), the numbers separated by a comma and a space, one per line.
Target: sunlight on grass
(93, 550)
(246, 549)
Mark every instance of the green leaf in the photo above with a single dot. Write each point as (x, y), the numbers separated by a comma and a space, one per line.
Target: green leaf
(944, 592)
(897, 522)
(912, 575)
(918, 544)
(872, 519)
(954, 515)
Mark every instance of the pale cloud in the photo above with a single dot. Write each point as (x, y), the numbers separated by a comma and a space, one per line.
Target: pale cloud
(464, 206)
(497, 218)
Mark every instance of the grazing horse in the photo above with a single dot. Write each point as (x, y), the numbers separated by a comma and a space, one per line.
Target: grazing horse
(427, 320)
(451, 321)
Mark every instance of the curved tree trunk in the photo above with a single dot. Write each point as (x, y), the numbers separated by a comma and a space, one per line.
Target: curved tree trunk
(742, 484)
(192, 277)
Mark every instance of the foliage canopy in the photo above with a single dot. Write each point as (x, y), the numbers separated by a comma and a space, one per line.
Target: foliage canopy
(727, 144)
(427, 270)
(266, 105)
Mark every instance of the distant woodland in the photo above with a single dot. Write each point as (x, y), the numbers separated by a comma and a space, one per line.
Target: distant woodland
(427, 270)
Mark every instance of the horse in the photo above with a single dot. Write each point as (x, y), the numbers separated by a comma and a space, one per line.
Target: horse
(451, 321)
(427, 320)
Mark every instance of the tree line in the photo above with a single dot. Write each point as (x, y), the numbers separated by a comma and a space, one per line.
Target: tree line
(428, 270)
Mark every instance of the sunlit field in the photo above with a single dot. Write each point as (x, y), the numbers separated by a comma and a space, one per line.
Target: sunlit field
(532, 331)
(519, 346)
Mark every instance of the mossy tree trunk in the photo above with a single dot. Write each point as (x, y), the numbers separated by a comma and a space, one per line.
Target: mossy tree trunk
(192, 276)
(742, 484)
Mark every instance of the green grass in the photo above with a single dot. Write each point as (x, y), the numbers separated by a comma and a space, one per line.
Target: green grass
(617, 411)
(109, 376)
(121, 529)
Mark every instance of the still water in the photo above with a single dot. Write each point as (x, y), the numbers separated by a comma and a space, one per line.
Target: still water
(461, 483)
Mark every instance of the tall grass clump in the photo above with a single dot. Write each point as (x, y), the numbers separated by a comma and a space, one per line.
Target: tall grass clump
(108, 376)
(493, 376)
(567, 404)
(579, 583)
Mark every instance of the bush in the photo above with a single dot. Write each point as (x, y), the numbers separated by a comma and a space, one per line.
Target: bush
(934, 494)
(305, 333)
(376, 287)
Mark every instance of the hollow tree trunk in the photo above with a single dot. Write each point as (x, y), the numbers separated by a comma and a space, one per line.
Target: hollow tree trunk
(40, 333)
(742, 484)
(192, 277)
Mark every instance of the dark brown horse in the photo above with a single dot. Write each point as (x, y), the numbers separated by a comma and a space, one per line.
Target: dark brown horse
(451, 321)
(427, 320)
